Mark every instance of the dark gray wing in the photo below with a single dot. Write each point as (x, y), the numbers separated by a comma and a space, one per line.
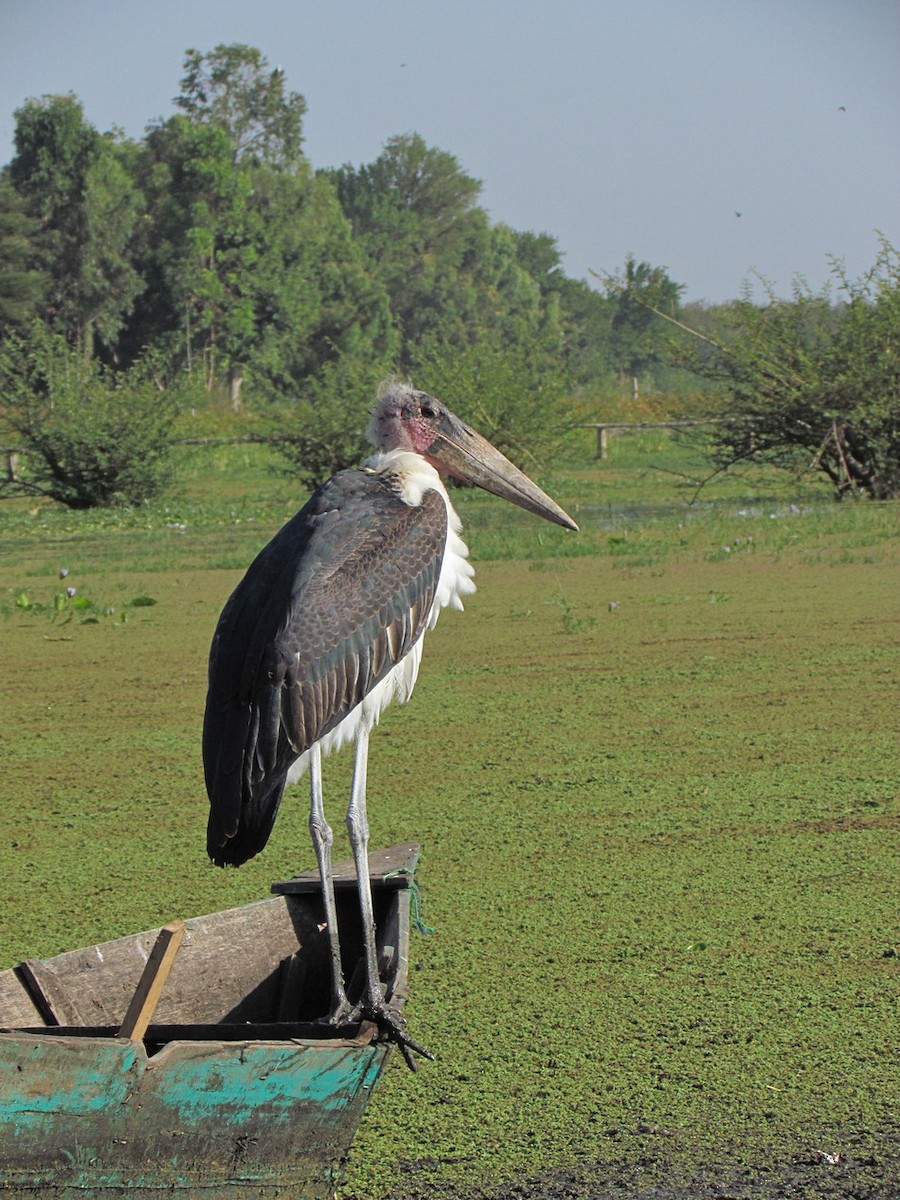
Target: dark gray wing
(325, 611)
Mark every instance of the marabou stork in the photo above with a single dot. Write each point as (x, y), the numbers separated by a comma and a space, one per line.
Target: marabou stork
(325, 630)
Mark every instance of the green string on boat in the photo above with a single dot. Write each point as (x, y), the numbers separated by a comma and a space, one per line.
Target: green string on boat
(416, 908)
(415, 900)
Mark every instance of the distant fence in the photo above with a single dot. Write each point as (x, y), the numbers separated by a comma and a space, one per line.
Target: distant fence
(250, 439)
(9, 455)
(603, 428)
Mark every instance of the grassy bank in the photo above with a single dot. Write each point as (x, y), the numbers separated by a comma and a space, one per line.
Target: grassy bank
(652, 769)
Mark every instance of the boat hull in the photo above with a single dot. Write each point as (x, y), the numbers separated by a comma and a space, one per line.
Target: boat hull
(236, 1091)
(95, 1116)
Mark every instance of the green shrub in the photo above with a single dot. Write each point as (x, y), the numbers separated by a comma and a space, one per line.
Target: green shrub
(812, 385)
(90, 439)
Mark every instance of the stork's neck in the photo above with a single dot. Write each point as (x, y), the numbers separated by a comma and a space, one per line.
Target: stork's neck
(414, 475)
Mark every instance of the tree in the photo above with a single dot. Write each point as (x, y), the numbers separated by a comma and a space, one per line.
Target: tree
(415, 212)
(584, 315)
(863, 383)
(232, 88)
(22, 284)
(413, 200)
(455, 282)
(254, 267)
(316, 300)
(508, 302)
(539, 254)
(644, 295)
(813, 385)
(204, 246)
(86, 207)
(586, 318)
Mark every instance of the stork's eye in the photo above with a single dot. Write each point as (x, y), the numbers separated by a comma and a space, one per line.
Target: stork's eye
(428, 411)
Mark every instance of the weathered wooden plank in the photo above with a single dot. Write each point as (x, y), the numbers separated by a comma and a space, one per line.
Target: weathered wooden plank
(153, 980)
(16, 1004)
(263, 1031)
(227, 968)
(55, 1003)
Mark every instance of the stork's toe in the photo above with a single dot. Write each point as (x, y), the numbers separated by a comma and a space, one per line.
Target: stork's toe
(392, 1028)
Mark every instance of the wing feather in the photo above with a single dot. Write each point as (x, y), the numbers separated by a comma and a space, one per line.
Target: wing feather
(327, 609)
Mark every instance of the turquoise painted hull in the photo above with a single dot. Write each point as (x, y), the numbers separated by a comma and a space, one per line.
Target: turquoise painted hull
(95, 1116)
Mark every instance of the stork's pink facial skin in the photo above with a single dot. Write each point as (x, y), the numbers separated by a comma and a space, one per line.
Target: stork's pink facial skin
(405, 420)
(409, 420)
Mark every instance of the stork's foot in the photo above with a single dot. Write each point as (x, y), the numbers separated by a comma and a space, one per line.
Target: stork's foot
(342, 1013)
(392, 1028)
(391, 1025)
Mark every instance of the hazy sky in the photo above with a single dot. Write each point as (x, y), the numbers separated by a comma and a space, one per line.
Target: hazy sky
(618, 126)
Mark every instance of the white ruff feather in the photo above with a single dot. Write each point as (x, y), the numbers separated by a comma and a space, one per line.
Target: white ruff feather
(455, 581)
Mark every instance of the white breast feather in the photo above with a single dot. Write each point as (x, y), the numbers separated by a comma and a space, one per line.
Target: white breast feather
(454, 582)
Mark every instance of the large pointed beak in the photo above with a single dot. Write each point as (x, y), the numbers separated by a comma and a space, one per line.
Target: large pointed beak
(461, 452)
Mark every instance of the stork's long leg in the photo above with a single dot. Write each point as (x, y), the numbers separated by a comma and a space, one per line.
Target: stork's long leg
(323, 837)
(373, 1005)
(358, 828)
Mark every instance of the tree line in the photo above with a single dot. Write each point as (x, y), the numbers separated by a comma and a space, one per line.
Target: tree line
(215, 241)
(212, 256)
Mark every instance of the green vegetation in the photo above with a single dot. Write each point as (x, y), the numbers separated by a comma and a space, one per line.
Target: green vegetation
(94, 439)
(210, 262)
(652, 772)
(814, 386)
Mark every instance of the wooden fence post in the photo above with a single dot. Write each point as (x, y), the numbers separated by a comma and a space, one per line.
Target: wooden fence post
(603, 430)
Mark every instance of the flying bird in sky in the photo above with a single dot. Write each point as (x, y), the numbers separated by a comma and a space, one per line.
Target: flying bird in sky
(325, 630)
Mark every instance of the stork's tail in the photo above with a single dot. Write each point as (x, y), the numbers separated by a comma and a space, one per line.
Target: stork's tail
(254, 826)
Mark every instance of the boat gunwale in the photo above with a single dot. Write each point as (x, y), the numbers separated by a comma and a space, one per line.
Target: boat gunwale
(392, 879)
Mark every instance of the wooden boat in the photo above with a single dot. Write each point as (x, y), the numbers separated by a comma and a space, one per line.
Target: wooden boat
(233, 1089)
